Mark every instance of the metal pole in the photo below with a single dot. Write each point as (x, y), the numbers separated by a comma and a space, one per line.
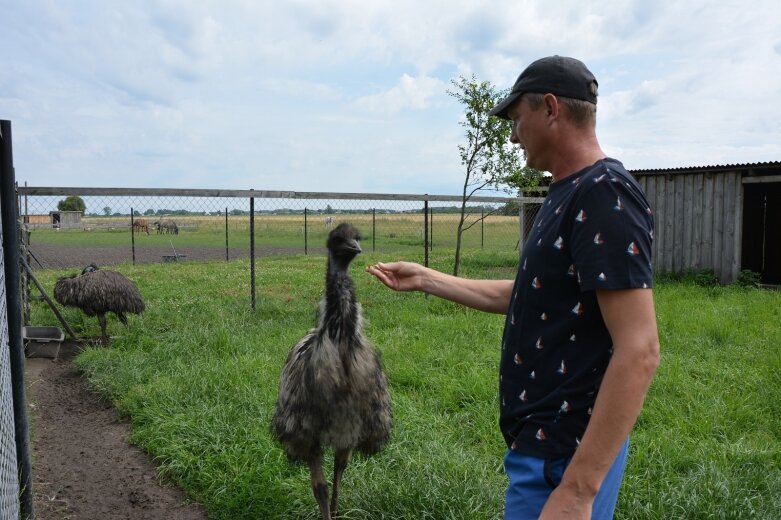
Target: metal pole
(482, 228)
(431, 230)
(12, 258)
(374, 229)
(132, 236)
(226, 234)
(24, 236)
(252, 248)
(425, 232)
(306, 245)
(521, 224)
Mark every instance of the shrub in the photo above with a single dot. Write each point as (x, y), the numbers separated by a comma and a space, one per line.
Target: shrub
(748, 278)
(700, 277)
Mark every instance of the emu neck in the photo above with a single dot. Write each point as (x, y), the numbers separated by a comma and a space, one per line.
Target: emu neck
(341, 317)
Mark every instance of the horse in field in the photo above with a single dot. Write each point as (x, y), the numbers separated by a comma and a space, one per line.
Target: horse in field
(140, 224)
(166, 226)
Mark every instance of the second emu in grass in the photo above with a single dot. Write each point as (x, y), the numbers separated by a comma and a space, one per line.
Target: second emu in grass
(97, 292)
(332, 390)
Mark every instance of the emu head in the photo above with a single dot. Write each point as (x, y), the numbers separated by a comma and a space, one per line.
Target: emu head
(343, 243)
(91, 267)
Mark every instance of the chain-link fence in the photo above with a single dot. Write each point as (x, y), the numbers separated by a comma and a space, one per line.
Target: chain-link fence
(16, 498)
(147, 225)
(9, 481)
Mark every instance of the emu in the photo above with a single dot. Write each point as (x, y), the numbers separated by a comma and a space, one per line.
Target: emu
(97, 292)
(332, 390)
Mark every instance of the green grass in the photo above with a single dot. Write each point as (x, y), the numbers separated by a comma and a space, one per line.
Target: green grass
(197, 376)
(388, 232)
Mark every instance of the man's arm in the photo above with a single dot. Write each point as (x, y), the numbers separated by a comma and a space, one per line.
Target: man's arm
(631, 320)
(484, 295)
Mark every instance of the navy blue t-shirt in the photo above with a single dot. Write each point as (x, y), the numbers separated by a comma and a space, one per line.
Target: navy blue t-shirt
(594, 230)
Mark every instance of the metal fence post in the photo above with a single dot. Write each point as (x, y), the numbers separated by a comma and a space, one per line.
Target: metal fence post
(132, 235)
(521, 223)
(431, 230)
(306, 245)
(482, 228)
(252, 248)
(226, 235)
(374, 229)
(425, 232)
(11, 258)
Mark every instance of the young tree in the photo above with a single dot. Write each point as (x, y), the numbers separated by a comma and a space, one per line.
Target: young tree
(72, 203)
(488, 157)
(107, 210)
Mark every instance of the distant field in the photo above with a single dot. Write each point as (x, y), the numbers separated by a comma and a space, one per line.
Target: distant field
(385, 233)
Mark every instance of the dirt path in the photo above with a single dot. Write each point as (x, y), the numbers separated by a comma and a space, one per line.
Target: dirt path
(83, 466)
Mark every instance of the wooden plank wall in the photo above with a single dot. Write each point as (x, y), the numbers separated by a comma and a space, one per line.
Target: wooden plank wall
(697, 221)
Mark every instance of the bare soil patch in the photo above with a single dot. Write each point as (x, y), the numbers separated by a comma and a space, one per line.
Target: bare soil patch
(83, 466)
(53, 256)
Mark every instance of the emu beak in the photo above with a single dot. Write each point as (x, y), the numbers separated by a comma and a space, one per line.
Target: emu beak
(353, 246)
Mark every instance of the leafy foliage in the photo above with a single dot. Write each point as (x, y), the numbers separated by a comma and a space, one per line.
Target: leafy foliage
(72, 203)
(488, 157)
(523, 179)
(490, 161)
(749, 278)
(701, 277)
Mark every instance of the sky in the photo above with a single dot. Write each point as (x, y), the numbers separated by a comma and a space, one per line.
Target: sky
(352, 96)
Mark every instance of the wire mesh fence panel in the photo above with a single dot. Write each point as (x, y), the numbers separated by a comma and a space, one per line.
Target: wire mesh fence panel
(529, 209)
(9, 481)
(143, 226)
(160, 228)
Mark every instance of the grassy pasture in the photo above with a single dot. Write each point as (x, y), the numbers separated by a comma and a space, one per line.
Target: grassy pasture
(384, 231)
(197, 377)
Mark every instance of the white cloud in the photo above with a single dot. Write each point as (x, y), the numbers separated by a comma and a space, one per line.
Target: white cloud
(339, 94)
(414, 93)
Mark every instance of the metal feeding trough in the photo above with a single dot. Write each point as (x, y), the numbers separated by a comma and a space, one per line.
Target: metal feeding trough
(42, 341)
(173, 258)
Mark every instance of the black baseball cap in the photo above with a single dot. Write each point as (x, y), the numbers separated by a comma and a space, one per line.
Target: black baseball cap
(559, 75)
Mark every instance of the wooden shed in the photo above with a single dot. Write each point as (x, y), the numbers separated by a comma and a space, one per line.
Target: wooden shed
(66, 219)
(717, 217)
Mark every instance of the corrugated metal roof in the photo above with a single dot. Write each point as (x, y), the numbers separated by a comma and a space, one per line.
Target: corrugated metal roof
(773, 165)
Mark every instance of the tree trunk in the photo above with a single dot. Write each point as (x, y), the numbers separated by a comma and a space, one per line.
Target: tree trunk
(459, 233)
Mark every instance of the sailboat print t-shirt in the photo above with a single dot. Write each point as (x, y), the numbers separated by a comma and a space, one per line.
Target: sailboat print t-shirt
(594, 230)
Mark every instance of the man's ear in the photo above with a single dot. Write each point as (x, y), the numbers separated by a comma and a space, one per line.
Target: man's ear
(551, 106)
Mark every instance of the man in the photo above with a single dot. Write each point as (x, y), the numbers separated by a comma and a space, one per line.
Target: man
(580, 344)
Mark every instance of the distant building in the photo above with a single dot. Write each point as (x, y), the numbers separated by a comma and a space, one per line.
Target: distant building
(55, 220)
(725, 218)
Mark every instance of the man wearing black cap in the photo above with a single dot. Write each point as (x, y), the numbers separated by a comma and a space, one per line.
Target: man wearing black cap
(580, 344)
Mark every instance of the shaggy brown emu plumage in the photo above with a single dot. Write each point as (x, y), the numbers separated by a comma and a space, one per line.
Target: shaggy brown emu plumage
(332, 390)
(96, 292)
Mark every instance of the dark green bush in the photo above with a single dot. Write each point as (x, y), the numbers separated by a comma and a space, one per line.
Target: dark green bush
(700, 277)
(748, 278)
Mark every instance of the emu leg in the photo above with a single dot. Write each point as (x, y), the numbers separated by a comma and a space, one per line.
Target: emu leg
(341, 459)
(103, 335)
(319, 486)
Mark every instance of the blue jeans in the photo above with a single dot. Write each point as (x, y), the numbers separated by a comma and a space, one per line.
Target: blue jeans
(532, 480)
